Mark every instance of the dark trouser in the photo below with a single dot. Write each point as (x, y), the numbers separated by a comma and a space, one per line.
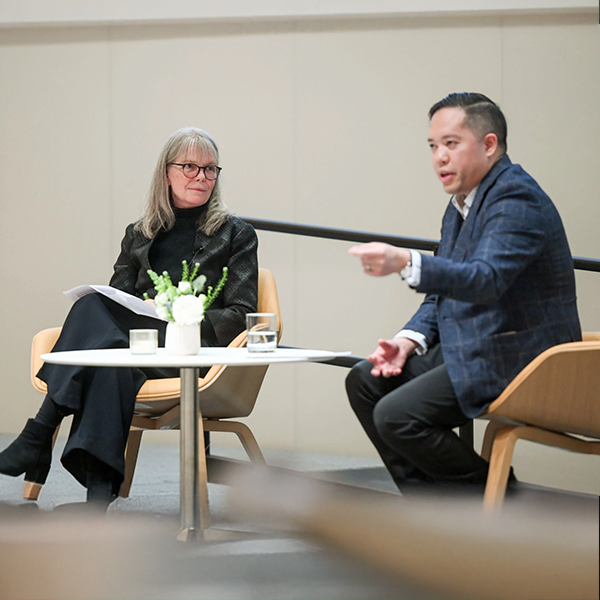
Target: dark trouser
(409, 419)
(101, 399)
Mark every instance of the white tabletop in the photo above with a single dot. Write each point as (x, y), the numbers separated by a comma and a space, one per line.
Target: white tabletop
(206, 357)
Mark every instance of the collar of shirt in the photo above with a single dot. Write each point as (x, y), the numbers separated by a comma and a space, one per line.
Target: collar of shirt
(464, 211)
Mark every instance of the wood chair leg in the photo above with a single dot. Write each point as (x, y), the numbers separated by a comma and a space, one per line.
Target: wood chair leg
(501, 457)
(488, 438)
(244, 434)
(131, 454)
(503, 445)
(31, 491)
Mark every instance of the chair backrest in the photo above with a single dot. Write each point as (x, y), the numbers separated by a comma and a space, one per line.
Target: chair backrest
(232, 393)
(559, 390)
(268, 301)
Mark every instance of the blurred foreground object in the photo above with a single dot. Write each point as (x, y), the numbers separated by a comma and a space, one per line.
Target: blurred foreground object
(47, 556)
(447, 545)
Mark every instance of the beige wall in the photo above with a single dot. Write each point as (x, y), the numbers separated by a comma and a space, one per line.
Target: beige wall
(335, 113)
(67, 12)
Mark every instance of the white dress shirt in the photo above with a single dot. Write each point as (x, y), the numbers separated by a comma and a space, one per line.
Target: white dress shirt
(413, 277)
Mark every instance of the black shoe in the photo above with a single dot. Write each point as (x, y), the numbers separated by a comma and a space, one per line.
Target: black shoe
(101, 484)
(100, 496)
(30, 453)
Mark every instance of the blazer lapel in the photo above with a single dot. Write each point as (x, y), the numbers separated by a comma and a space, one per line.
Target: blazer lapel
(142, 249)
(462, 243)
(455, 227)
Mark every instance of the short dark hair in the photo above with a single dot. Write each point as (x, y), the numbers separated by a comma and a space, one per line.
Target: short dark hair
(483, 115)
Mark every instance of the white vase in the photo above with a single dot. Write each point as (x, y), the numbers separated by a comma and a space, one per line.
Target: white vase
(182, 339)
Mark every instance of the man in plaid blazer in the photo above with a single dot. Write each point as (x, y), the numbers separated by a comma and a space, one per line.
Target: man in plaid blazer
(500, 291)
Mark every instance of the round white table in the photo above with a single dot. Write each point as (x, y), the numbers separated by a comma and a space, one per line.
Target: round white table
(195, 518)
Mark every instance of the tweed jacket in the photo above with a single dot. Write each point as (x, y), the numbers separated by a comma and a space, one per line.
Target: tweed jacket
(234, 245)
(501, 289)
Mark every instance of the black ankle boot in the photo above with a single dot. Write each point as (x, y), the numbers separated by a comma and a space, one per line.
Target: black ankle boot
(100, 483)
(100, 494)
(30, 453)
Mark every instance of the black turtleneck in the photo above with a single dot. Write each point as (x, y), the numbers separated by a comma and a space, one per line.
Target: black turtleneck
(177, 244)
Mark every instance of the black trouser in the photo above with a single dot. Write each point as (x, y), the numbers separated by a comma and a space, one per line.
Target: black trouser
(101, 399)
(410, 418)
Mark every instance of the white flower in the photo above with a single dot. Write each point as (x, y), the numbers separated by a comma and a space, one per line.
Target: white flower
(161, 299)
(188, 310)
(198, 283)
(162, 312)
(185, 287)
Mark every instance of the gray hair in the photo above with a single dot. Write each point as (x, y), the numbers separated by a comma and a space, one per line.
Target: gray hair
(158, 213)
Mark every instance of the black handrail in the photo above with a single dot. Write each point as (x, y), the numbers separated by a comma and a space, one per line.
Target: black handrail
(350, 235)
(344, 235)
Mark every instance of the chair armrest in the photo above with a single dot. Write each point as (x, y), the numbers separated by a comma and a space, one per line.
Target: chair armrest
(42, 343)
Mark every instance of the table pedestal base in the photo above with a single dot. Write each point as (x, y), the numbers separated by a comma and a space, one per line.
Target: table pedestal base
(195, 515)
(214, 535)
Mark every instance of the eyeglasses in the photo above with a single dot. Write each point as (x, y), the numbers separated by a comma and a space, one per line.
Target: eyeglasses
(190, 170)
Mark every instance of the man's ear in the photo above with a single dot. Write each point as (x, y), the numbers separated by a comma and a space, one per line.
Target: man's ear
(490, 143)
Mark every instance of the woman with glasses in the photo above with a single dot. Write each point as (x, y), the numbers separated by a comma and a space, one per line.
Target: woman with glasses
(184, 219)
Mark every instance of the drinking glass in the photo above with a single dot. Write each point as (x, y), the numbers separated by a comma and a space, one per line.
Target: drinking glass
(143, 341)
(262, 332)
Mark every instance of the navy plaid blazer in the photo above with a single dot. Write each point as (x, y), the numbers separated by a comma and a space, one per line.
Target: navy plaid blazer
(501, 289)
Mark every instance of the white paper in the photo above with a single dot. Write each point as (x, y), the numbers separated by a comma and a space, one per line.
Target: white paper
(133, 303)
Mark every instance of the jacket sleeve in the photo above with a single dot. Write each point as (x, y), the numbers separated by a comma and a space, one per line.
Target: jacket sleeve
(227, 317)
(425, 320)
(127, 267)
(511, 237)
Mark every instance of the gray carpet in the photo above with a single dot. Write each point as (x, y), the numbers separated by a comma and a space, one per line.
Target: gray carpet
(262, 565)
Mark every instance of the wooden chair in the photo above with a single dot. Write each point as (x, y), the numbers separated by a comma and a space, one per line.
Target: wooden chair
(225, 393)
(552, 401)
